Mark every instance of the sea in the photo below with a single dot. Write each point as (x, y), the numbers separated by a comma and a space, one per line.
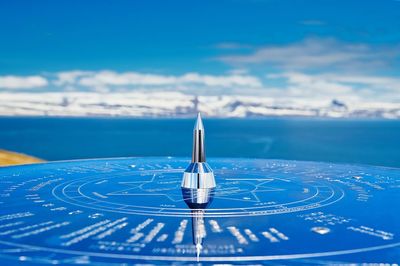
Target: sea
(354, 141)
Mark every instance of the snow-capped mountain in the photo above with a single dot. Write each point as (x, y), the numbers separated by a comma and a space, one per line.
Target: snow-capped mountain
(177, 104)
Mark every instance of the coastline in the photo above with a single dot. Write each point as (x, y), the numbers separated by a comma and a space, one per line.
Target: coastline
(8, 158)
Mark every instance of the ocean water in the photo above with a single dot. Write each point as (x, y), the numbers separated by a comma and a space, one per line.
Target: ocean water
(375, 142)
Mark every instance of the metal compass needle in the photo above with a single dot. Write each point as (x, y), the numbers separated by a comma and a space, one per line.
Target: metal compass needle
(198, 155)
(198, 174)
(197, 185)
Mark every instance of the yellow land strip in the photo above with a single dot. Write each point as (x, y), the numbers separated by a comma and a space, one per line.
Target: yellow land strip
(13, 158)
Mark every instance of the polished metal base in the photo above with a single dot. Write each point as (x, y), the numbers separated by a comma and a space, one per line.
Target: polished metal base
(197, 176)
(198, 198)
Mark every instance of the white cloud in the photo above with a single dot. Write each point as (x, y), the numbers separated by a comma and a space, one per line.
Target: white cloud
(359, 88)
(70, 77)
(103, 79)
(316, 52)
(381, 82)
(283, 86)
(222, 81)
(22, 82)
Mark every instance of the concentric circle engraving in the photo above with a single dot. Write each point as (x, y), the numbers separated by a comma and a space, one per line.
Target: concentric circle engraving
(133, 210)
(158, 192)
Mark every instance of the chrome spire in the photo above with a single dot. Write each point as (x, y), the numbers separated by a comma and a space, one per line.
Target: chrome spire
(198, 155)
(198, 174)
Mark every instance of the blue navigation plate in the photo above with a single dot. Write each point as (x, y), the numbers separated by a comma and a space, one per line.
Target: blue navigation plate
(133, 210)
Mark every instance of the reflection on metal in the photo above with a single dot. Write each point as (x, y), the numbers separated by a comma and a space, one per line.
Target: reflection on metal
(198, 175)
(198, 200)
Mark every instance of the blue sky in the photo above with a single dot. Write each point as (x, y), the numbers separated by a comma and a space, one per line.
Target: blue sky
(273, 45)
